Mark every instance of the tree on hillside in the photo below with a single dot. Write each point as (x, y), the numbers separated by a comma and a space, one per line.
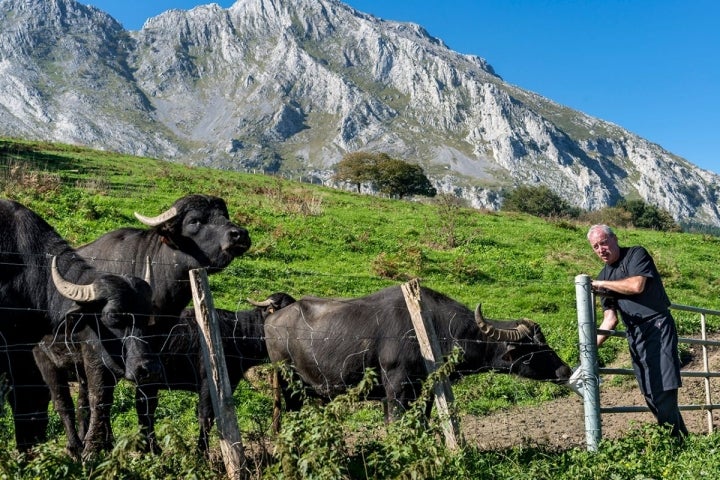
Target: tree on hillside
(399, 178)
(357, 168)
(387, 175)
(648, 216)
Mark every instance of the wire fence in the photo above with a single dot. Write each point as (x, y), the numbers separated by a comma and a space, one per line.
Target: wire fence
(176, 339)
(246, 335)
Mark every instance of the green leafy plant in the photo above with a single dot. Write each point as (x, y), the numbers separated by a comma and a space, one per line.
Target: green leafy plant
(311, 444)
(539, 201)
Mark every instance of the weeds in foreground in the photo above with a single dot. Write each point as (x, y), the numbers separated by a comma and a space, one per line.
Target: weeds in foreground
(321, 442)
(313, 443)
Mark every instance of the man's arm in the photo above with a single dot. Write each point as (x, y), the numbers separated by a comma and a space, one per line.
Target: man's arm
(610, 321)
(627, 286)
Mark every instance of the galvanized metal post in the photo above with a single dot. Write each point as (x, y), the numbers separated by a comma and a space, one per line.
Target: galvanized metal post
(587, 331)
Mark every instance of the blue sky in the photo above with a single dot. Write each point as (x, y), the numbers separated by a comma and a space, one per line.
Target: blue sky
(650, 66)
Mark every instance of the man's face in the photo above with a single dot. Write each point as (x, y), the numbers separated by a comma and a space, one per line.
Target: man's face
(605, 246)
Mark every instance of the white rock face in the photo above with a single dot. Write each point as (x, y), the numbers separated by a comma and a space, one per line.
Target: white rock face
(272, 83)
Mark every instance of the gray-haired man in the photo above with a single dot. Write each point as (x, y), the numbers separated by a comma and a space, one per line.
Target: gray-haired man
(630, 284)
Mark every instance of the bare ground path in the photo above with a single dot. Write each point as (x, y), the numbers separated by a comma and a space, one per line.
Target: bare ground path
(561, 423)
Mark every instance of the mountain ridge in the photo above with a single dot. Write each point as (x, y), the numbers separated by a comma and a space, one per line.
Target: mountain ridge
(293, 86)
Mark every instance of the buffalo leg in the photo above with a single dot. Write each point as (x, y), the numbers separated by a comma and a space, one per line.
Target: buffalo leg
(398, 394)
(59, 383)
(101, 387)
(429, 406)
(83, 406)
(29, 399)
(293, 398)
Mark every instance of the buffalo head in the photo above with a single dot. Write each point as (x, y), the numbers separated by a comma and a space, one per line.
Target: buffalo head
(273, 303)
(111, 315)
(521, 349)
(199, 225)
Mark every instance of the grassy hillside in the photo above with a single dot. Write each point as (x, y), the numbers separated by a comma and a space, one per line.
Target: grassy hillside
(312, 240)
(308, 239)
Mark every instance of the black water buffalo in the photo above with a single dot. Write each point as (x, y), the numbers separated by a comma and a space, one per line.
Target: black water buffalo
(195, 232)
(243, 339)
(330, 342)
(73, 352)
(46, 288)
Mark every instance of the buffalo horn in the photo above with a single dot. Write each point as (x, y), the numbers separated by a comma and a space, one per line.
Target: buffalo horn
(499, 334)
(77, 293)
(155, 221)
(264, 303)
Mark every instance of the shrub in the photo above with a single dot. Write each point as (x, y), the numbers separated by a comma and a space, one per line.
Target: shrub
(311, 443)
(538, 201)
(393, 177)
(648, 216)
(19, 178)
(616, 217)
(449, 208)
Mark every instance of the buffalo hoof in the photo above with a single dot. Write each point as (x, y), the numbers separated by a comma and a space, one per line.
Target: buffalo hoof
(74, 450)
(151, 446)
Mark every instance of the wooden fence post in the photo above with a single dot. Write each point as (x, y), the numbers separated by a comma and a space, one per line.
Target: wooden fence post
(217, 375)
(432, 354)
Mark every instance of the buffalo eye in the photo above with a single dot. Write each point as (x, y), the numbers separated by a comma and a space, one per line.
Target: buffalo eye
(115, 320)
(193, 223)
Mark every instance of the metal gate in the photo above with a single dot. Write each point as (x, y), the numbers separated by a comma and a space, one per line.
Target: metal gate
(588, 374)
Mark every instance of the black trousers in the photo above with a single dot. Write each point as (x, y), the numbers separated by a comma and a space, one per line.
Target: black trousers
(664, 406)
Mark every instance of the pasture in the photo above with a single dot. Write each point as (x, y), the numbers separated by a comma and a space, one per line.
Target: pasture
(312, 240)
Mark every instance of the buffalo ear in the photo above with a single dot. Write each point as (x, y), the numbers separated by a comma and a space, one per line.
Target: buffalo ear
(74, 320)
(511, 353)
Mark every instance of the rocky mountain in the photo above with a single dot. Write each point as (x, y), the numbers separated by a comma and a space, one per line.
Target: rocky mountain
(292, 85)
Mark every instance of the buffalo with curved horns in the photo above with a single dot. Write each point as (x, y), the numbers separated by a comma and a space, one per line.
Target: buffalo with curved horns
(195, 232)
(46, 288)
(330, 342)
(72, 351)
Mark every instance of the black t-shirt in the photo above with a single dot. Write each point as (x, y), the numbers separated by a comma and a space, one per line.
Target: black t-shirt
(651, 331)
(635, 309)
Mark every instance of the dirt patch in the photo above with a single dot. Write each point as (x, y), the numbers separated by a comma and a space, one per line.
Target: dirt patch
(561, 423)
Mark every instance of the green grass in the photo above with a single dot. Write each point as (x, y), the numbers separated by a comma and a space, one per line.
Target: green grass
(312, 240)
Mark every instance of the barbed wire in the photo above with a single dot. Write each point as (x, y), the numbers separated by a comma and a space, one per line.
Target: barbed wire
(155, 262)
(311, 335)
(234, 359)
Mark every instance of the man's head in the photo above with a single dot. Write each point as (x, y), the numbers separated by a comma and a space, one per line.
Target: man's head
(604, 243)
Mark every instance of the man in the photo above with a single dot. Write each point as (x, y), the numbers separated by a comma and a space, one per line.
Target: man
(631, 285)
